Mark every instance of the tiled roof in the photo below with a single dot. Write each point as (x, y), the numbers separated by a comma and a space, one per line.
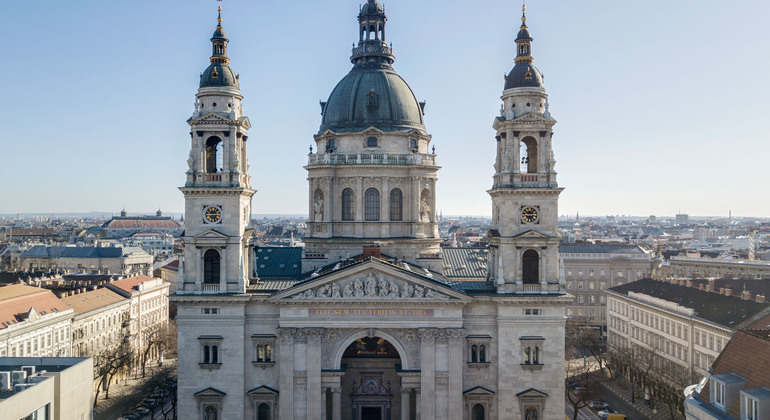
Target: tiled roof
(736, 286)
(131, 284)
(747, 355)
(278, 262)
(585, 248)
(142, 223)
(16, 301)
(465, 263)
(95, 299)
(42, 251)
(727, 311)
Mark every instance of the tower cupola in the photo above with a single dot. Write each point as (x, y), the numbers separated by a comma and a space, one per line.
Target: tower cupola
(372, 48)
(524, 73)
(219, 73)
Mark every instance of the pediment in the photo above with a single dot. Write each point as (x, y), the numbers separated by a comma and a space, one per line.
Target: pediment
(262, 391)
(211, 234)
(371, 281)
(531, 117)
(479, 390)
(210, 392)
(373, 130)
(211, 117)
(532, 234)
(532, 393)
(620, 259)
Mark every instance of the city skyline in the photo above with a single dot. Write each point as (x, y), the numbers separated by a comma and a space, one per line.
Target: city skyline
(647, 98)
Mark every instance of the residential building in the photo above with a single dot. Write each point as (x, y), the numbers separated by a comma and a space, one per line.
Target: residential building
(149, 308)
(690, 267)
(55, 388)
(152, 242)
(101, 318)
(126, 261)
(33, 322)
(368, 326)
(685, 328)
(738, 387)
(590, 269)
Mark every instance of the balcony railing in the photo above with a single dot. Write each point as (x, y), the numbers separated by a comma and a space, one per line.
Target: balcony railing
(210, 288)
(371, 159)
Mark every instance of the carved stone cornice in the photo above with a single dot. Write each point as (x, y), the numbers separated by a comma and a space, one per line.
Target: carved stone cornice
(287, 335)
(427, 335)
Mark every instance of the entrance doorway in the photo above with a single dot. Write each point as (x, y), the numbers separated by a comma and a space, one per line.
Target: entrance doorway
(371, 413)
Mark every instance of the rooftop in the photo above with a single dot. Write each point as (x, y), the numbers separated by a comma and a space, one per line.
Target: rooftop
(89, 301)
(17, 302)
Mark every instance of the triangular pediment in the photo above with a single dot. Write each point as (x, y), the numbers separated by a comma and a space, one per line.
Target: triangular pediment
(262, 391)
(620, 259)
(532, 393)
(211, 117)
(372, 130)
(531, 233)
(531, 117)
(210, 392)
(371, 281)
(211, 234)
(479, 390)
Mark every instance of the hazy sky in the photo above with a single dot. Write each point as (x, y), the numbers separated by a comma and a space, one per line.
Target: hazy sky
(661, 105)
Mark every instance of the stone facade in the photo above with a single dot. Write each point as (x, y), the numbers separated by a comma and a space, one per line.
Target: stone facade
(371, 328)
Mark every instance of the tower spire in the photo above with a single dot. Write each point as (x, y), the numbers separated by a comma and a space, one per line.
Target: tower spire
(372, 48)
(219, 40)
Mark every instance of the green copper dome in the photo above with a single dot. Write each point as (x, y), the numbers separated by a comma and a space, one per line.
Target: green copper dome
(219, 74)
(372, 97)
(372, 94)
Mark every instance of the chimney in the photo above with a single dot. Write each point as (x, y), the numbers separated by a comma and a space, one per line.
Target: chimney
(746, 295)
(728, 291)
(709, 287)
(760, 298)
(688, 283)
(700, 286)
(372, 251)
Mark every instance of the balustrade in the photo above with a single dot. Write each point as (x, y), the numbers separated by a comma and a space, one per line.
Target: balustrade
(371, 159)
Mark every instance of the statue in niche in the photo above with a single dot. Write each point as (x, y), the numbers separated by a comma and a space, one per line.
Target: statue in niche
(393, 290)
(348, 291)
(318, 209)
(408, 291)
(211, 413)
(358, 288)
(418, 291)
(531, 414)
(424, 210)
(371, 285)
(335, 293)
(552, 162)
(384, 287)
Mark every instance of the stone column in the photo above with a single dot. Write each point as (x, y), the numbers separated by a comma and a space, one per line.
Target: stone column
(455, 373)
(313, 357)
(428, 373)
(323, 403)
(359, 216)
(336, 404)
(329, 200)
(286, 372)
(405, 403)
(417, 404)
(223, 263)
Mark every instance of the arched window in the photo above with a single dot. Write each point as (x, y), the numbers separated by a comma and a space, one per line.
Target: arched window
(396, 205)
(372, 205)
(260, 353)
(214, 354)
(213, 155)
(478, 412)
(528, 153)
(210, 413)
(530, 263)
(531, 413)
(482, 353)
(527, 359)
(474, 354)
(348, 207)
(263, 412)
(206, 354)
(211, 266)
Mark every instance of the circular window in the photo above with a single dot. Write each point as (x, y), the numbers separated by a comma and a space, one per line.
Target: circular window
(528, 104)
(214, 104)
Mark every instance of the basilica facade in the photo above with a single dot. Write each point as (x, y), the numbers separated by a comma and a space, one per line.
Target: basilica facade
(371, 326)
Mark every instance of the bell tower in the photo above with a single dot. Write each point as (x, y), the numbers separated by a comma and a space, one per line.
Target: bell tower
(217, 190)
(524, 239)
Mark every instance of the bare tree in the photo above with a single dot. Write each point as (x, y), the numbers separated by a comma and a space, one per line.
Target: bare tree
(109, 362)
(581, 376)
(157, 341)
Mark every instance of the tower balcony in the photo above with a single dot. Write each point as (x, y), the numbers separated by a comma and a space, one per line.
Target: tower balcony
(321, 159)
(218, 179)
(519, 180)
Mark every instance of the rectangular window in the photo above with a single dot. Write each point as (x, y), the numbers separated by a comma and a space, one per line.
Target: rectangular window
(719, 393)
(752, 408)
(580, 285)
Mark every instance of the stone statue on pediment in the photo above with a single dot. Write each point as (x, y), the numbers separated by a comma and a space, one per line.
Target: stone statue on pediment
(384, 287)
(358, 288)
(335, 293)
(393, 290)
(418, 291)
(348, 290)
(371, 285)
(408, 291)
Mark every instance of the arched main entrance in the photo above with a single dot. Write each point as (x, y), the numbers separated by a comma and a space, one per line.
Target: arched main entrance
(371, 384)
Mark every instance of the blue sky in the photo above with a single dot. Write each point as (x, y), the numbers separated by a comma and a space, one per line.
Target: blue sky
(661, 106)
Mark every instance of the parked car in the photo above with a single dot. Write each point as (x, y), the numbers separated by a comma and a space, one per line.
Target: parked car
(597, 404)
(603, 413)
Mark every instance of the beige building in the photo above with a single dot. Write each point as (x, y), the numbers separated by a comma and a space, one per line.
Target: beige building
(100, 320)
(148, 308)
(685, 328)
(590, 269)
(33, 323)
(689, 267)
(370, 328)
(125, 261)
(55, 388)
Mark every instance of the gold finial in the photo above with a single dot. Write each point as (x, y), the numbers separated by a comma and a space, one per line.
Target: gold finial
(219, 13)
(523, 13)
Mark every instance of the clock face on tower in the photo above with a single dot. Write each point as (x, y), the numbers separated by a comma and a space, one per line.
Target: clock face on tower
(529, 214)
(212, 214)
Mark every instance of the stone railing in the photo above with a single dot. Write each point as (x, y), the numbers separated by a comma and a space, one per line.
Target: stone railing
(371, 159)
(210, 288)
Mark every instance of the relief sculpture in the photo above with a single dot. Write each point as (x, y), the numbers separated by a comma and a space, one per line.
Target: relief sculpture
(372, 286)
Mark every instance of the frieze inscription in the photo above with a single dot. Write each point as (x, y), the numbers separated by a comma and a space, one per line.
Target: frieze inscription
(369, 312)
